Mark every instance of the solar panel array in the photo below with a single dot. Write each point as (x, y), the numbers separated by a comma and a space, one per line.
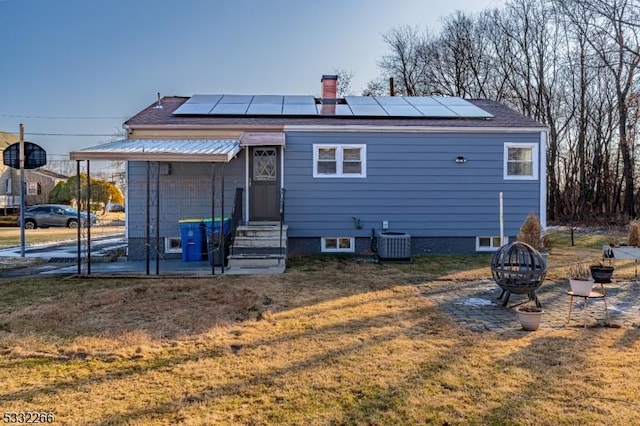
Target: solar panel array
(359, 106)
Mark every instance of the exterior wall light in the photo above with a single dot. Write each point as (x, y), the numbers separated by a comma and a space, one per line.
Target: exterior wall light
(461, 160)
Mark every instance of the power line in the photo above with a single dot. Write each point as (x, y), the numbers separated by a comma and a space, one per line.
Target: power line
(50, 117)
(72, 134)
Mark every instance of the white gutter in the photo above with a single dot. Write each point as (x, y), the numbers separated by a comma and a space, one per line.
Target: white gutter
(412, 129)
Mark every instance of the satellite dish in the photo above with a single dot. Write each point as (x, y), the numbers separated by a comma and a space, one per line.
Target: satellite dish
(34, 156)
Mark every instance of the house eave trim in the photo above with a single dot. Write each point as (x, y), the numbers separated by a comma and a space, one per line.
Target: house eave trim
(413, 129)
(239, 127)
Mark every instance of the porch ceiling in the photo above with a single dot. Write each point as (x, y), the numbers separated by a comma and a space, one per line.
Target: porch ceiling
(192, 150)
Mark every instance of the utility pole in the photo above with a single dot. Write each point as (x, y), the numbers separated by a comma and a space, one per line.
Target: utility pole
(22, 200)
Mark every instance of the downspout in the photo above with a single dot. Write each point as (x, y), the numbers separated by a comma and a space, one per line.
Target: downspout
(501, 219)
(543, 180)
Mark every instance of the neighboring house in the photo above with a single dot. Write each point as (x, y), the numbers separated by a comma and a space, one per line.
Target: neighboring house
(432, 167)
(38, 182)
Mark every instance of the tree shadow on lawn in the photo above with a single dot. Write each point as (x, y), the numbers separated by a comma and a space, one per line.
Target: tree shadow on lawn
(169, 308)
(109, 319)
(248, 308)
(371, 331)
(566, 377)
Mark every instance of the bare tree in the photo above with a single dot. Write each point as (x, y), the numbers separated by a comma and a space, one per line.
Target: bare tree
(344, 81)
(615, 45)
(570, 64)
(376, 87)
(408, 60)
(62, 165)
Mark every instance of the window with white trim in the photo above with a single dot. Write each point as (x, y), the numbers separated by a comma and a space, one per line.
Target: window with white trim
(338, 244)
(173, 245)
(341, 161)
(489, 243)
(521, 161)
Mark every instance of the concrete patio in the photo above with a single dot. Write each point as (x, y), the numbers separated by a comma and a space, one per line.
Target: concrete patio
(475, 304)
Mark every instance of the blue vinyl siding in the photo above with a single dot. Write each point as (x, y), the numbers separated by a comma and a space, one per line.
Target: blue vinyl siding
(413, 182)
(184, 193)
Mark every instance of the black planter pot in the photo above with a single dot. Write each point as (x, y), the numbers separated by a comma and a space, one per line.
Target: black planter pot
(601, 274)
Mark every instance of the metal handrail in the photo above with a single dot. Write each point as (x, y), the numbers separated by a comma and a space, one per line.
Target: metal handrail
(236, 215)
(282, 192)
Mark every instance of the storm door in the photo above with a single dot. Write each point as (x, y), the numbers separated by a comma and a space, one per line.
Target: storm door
(264, 183)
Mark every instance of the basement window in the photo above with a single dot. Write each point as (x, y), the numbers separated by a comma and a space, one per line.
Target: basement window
(173, 245)
(489, 243)
(338, 244)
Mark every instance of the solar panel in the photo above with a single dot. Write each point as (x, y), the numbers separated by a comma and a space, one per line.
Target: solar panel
(367, 109)
(232, 109)
(392, 106)
(299, 109)
(401, 110)
(421, 100)
(434, 111)
(204, 99)
(268, 109)
(194, 108)
(390, 100)
(267, 99)
(451, 101)
(236, 99)
(470, 111)
(299, 99)
(334, 109)
(361, 100)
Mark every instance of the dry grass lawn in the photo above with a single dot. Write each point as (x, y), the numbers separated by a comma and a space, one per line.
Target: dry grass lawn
(331, 341)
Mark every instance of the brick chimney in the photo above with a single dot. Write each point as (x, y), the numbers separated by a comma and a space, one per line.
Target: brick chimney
(329, 86)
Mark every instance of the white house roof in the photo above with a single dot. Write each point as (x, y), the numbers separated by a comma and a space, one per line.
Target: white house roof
(194, 150)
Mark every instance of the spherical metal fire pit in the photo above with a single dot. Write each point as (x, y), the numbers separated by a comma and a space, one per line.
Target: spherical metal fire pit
(518, 268)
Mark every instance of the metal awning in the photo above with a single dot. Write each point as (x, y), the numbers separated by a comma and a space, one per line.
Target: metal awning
(262, 138)
(192, 150)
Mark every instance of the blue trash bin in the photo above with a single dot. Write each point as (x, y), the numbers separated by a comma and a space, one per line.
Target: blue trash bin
(214, 239)
(193, 239)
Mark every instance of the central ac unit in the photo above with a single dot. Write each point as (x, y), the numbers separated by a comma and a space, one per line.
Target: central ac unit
(394, 245)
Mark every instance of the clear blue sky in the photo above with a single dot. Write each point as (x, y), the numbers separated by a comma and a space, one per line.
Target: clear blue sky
(109, 58)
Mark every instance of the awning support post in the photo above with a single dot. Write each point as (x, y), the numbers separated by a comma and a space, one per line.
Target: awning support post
(147, 220)
(78, 194)
(88, 219)
(158, 218)
(223, 235)
(213, 218)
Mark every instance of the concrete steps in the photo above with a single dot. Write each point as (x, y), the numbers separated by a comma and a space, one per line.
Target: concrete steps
(257, 247)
